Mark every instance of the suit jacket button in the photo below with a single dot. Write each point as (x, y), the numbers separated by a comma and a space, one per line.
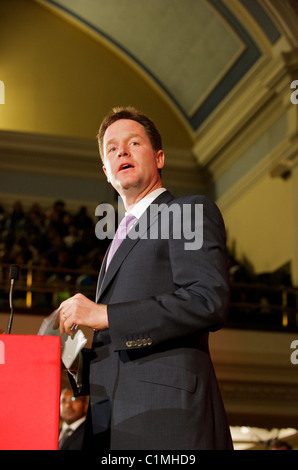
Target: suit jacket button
(144, 342)
(149, 341)
(139, 342)
(133, 343)
(128, 344)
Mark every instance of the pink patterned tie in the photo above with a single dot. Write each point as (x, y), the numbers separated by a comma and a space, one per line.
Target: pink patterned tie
(122, 230)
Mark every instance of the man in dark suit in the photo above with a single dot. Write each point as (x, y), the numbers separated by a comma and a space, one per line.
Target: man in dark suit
(149, 372)
(73, 412)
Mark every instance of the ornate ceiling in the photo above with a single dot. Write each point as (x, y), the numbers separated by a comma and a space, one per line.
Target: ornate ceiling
(195, 51)
(213, 74)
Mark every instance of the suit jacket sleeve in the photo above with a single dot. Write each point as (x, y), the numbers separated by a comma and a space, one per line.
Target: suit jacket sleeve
(200, 297)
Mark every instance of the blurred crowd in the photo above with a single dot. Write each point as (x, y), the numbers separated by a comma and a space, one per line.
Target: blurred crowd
(54, 238)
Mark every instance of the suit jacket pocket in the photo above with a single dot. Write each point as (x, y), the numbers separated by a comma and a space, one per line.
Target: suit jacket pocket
(170, 376)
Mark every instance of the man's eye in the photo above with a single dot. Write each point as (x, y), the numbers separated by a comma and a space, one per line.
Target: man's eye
(135, 143)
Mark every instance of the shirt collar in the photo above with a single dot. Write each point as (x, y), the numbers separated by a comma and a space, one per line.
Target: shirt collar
(142, 205)
(73, 425)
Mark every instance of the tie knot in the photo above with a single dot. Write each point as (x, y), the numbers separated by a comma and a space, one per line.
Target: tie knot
(65, 434)
(68, 432)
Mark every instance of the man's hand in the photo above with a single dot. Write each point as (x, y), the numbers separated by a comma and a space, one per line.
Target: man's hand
(79, 310)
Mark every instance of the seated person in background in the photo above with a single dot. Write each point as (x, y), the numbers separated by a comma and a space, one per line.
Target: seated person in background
(278, 444)
(73, 412)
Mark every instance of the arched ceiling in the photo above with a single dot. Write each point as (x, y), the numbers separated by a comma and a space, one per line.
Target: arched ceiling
(208, 72)
(195, 51)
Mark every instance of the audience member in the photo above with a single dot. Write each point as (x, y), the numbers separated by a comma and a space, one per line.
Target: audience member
(278, 444)
(73, 412)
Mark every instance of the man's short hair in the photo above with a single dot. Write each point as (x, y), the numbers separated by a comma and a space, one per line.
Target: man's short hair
(135, 115)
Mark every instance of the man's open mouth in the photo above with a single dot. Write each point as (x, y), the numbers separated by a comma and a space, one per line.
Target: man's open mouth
(125, 166)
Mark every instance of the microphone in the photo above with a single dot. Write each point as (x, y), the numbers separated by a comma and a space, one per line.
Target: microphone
(13, 276)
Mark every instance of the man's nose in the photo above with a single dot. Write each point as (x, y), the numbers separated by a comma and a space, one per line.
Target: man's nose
(67, 403)
(123, 150)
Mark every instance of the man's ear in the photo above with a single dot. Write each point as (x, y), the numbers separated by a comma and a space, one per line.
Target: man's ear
(160, 159)
(105, 172)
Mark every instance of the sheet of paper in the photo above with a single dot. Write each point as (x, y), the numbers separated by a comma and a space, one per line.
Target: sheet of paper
(70, 345)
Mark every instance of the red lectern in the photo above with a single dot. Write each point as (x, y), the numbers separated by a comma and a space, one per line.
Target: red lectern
(29, 392)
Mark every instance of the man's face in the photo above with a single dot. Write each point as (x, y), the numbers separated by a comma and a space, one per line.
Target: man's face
(130, 163)
(71, 408)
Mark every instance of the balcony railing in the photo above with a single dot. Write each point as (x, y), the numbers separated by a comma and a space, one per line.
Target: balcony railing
(253, 306)
(40, 288)
(262, 306)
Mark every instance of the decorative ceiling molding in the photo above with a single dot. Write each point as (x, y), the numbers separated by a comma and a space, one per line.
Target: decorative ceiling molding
(247, 114)
(47, 154)
(77, 157)
(195, 52)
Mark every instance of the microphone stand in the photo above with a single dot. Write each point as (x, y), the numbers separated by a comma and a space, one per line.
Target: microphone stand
(14, 275)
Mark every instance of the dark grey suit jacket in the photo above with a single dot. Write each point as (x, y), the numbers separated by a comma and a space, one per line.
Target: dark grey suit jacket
(150, 376)
(75, 440)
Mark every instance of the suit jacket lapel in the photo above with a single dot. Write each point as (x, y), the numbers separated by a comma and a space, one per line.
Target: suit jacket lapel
(101, 275)
(126, 246)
